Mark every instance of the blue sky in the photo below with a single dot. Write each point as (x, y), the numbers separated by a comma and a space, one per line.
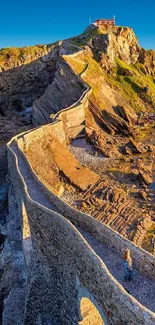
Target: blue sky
(39, 22)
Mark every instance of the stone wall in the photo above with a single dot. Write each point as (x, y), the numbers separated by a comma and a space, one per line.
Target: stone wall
(66, 125)
(61, 254)
(54, 130)
(74, 117)
(65, 91)
(57, 240)
(143, 260)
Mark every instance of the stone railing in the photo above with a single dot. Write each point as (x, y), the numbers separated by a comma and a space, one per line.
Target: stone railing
(143, 260)
(55, 235)
(73, 117)
(70, 121)
(82, 97)
(57, 239)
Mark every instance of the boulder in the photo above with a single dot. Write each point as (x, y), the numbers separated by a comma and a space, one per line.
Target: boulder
(126, 113)
(145, 173)
(150, 148)
(102, 144)
(145, 177)
(134, 147)
(142, 195)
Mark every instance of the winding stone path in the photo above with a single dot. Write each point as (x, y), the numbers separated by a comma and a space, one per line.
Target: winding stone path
(34, 191)
(142, 288)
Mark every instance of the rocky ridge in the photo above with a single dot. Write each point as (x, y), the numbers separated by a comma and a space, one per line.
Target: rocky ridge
(27, 73)
(105, 61)
(128, 68)
(24, 75)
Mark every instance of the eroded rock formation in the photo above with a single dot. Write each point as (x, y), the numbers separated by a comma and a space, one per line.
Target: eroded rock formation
(64, 91)
(112, 206)
(56, 77)
(24, 75)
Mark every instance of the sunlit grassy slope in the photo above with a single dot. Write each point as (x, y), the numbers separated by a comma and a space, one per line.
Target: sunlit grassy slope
(132, 83)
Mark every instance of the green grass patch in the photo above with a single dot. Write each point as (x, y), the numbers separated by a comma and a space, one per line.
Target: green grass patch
(131, 82)
(83, 38)
(15, 54)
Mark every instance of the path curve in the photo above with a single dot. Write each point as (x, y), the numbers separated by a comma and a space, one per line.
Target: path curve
(141, 288)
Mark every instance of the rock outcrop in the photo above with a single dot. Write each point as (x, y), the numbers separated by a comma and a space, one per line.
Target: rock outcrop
(70, 167)
(64, 91)
(35, 76)
(41, 165)
(145, 173)
(109, 43)
(125, 64)
(118, 42)
(110, 205)
(147, 60)
(24, 75)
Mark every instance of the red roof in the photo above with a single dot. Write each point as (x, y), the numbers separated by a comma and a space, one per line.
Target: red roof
(105, 19)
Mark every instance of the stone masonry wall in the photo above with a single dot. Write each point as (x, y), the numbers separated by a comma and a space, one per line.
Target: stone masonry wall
(54, 235)
(65, 126)
(143, 261)
(62, 252)
(65, 90)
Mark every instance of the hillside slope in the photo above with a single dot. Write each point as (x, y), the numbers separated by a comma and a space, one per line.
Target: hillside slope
(128, 68)
(119, 71)
(24, 75)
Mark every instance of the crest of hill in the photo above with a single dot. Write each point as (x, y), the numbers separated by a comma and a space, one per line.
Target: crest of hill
(127, 67)
(12, 57)
(119, 68)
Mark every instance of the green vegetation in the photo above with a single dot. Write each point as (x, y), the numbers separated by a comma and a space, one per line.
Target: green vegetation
(135, 84)
(128, 79)
(83, 38)
(18, 53)
(14, 54)
(77, 65)
(147, 133)
(131, 82)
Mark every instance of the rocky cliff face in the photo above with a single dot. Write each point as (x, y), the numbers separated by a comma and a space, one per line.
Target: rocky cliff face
(110, 43)
(128, 69)
(119, 42)
(147, 61)
(120, 75)
(64, 91)
(24, 75)
(35, 77)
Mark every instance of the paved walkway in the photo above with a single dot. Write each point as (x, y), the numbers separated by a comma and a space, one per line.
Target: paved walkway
(34, 191)
(142, 288)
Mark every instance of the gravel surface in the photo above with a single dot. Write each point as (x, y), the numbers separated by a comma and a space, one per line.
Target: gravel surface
(87, 154)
